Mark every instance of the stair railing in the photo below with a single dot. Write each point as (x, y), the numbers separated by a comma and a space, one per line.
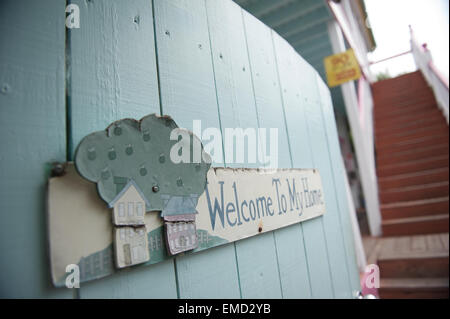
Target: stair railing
(437, 82)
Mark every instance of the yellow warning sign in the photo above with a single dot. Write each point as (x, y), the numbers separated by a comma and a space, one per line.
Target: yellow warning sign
(341, 68)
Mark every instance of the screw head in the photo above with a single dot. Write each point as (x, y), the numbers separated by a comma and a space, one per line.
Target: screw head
(58, 169)
(155, 189)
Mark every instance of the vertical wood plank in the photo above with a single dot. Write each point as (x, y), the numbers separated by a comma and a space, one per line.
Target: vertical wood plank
(322, 161)
(188, 93)
(185, 67)
(232, 75)
(291, 68)
(233, 80)
(339, 178)
(258, 267)
(113, 76)
(112, 65)
(286, 247)
(32, 133)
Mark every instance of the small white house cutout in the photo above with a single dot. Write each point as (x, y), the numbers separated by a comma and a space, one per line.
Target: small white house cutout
(129, 206)
(131, 245)
(130, 233)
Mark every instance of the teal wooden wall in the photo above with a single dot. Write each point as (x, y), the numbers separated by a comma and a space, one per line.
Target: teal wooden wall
(191, 59)
(303, 23)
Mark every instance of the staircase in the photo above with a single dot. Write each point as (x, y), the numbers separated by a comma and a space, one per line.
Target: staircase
(412, 166)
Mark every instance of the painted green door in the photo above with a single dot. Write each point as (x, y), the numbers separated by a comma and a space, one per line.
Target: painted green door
(205, 60)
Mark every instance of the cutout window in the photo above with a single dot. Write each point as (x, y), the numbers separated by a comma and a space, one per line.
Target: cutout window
(139, 209)
(130, 208)
(121, 210)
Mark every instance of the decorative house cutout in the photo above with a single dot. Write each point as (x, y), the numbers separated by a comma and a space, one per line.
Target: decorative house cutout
(181, 233)
(129, 206)
(130, 233)
(131, 246)
(179, 223)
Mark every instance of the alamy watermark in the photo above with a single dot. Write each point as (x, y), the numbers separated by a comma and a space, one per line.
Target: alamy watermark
(372, 279)
(257, 146)
(73, 17)
(73, 278)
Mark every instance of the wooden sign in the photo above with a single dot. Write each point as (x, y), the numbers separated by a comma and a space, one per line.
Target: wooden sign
(341, 68)
(236, 204)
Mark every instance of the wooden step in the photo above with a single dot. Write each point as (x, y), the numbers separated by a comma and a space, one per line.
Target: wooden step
(414, 267)
(413, 166)
(411, 125)
(398, 83)
(394, 93)
(430, 131)
(412, 154)
(409, 82)
(389, 107)
(395, 87)
(431, 224)
(420, 93)
(412, 76)
(396, 111)
(415, 192)
(397, 132)
(403, 102)
(414, 288)
(398, 87)
(433, 112)
(426, 207)
(417, 116)
(417, 256)
(417, 178)
(419, 143)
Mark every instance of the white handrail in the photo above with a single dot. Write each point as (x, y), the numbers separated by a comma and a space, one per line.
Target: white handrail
(437, 82)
